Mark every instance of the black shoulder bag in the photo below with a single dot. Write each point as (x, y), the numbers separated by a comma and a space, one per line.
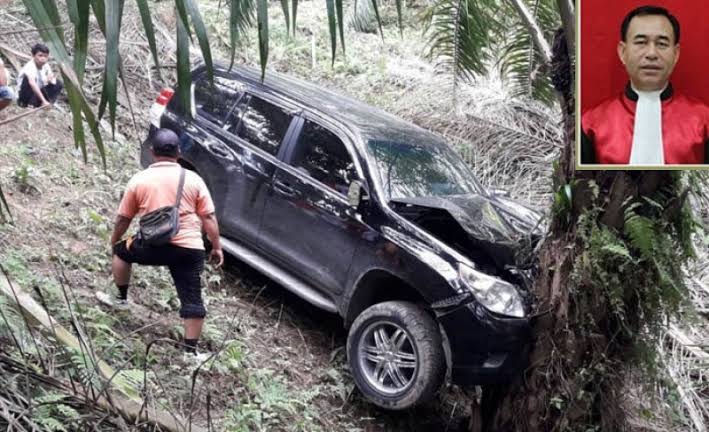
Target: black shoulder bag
(158, 227)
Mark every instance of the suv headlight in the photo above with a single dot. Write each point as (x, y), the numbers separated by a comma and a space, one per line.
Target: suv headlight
(493, 293)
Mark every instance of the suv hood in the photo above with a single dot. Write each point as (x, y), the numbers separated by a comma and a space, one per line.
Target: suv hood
(481, 227)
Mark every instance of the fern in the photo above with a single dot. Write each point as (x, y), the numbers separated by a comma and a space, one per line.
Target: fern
(641, 231)
(53, 415)
(617, 249)
(85, 368)
(134, 377)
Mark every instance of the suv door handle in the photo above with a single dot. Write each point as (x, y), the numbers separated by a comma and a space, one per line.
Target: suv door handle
(217, 149)
(284, 188)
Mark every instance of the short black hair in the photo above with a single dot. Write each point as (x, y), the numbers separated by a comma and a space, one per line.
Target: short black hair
(166, 143)
(40, 47)
(649, 10)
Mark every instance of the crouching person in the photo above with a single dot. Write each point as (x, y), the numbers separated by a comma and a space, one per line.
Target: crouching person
(184, 255)
(6, 93)
(36, 83)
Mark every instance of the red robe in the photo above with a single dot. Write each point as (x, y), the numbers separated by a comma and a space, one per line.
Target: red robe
(607, 129)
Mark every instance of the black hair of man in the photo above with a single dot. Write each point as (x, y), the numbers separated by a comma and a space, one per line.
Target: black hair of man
(40, 48)
(166, 143)
(649, 10)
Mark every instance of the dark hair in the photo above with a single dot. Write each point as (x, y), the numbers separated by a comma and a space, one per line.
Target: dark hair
(40, 47)
(166, 143)
(649, 10)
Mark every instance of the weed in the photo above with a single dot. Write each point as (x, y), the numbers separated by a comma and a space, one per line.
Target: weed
(25, 178)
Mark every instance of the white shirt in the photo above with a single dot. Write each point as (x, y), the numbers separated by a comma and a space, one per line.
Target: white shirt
(647, 131)
(29, 70)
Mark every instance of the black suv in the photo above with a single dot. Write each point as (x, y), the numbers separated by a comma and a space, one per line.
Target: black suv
(367, 216)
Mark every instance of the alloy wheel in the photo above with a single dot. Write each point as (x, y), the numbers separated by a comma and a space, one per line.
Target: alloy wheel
(388, 357)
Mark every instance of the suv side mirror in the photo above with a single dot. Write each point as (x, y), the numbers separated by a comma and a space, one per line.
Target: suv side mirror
(354, 193)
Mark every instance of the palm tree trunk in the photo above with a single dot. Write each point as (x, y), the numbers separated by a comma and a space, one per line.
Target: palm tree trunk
(550, 396)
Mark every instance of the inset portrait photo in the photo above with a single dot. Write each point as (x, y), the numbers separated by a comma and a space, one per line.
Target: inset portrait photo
(644, 85)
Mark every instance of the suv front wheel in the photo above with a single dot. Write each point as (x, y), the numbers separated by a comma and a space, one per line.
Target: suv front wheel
(396, 355)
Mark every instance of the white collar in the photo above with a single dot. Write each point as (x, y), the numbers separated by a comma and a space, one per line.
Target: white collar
(647, 146)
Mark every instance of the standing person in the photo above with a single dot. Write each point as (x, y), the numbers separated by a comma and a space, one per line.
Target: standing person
(648, 123)
(6, 93)
(36, 84)
(151, 189)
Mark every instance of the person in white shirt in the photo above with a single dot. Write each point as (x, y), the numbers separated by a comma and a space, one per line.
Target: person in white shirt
(6, 93)
(36, 84)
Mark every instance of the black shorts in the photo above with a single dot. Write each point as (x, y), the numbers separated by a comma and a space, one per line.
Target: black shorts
(185, 266)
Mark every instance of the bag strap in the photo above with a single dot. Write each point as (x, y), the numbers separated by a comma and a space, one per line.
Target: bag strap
(179, 188)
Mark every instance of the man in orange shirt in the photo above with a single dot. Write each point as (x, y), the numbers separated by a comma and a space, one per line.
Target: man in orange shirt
(153, 188)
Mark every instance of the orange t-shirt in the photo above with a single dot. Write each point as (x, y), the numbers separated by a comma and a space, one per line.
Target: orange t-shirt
(156, 187)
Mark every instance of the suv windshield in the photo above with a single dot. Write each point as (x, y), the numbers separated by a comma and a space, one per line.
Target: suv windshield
(420, 169)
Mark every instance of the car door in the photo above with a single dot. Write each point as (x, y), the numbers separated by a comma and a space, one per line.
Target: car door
(254, 134)
(307, 223)
(202, 140)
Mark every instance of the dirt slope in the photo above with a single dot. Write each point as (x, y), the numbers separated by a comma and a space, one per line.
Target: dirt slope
(284, 366)
(281, 363)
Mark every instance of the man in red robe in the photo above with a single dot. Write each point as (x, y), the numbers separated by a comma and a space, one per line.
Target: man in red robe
(648, 123)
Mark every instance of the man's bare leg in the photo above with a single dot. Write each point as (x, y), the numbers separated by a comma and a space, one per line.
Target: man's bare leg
(121, 271)
(193, 327)
(121, 276)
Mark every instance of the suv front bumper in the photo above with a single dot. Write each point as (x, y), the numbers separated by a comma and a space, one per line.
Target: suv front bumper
(486, 348)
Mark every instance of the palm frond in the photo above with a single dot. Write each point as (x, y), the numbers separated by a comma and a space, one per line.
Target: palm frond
(362, 18)
(262, 18)
(375, 7)
(340, 22)
(295, 14)
(202, 38)
(331, 25)
(461, 32)
(286, 15)
(79, 16)
(519, 60)
(149, 32)
(241, 18)
(47, 19)
(365, 16)
(114, 13)
(50, 35)
(183, 65)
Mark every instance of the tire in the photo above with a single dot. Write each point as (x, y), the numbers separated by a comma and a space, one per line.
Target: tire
(403, 369)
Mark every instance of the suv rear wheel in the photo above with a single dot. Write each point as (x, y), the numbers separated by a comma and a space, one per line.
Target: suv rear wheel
(396, 355)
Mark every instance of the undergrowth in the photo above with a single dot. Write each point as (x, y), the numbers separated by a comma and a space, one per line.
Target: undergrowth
(627, 282)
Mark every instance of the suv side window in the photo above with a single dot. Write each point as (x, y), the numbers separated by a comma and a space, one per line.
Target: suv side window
(263, 125)
(324, 157)
(214, 103)
(234, 125)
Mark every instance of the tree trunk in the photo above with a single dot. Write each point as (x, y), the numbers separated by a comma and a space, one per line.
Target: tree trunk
(570, 382)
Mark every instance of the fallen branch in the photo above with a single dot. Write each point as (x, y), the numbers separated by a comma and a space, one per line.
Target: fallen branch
(28, 30)
(21, 55)
(24, 114)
